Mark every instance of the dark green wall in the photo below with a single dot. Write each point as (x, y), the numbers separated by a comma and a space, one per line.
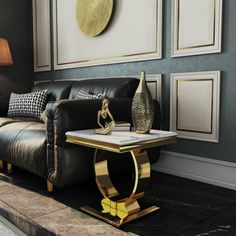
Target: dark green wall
(226, 62)
(16, 27)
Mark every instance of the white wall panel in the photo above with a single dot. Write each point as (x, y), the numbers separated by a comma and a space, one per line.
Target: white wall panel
(196, 27)
(134, 33)
(195, 105)
(41, 33)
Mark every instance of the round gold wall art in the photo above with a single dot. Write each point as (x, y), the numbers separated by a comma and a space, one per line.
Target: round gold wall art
(93, 15)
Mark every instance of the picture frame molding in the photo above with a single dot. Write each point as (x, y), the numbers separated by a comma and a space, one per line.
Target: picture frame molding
(215, 47)
(42, 56)
(211, 135)
(112, 60)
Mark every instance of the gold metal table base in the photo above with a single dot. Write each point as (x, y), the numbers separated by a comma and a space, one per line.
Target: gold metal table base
(118, 212)
(115, 220)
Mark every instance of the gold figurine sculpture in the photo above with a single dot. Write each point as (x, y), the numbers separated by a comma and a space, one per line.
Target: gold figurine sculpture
(105, 113)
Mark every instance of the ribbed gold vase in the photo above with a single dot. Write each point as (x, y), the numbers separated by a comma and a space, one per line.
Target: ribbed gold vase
(142, 107)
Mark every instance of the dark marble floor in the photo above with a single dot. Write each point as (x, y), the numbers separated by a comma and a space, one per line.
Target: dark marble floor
(187, 208)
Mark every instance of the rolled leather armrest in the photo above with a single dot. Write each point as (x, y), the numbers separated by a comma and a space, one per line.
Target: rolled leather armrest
(68, 115)
(68, 163)
(4, 103)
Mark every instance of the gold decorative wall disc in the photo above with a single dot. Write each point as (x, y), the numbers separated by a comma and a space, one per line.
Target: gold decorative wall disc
(93, 15)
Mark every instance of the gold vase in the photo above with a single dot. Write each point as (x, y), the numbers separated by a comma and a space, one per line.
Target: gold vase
(142, 107)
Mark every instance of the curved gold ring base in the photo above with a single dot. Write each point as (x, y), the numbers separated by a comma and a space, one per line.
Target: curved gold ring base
(126, 209)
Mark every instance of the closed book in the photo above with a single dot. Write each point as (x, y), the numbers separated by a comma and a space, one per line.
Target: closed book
(121, 126)
(122, 123)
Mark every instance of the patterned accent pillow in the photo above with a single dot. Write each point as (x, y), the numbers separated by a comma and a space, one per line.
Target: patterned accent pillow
(84, 95)
(27, 104)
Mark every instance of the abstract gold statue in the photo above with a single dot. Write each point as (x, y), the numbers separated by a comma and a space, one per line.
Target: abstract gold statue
(105, 113)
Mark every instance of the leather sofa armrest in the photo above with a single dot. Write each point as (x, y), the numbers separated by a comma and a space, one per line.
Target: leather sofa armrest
(4, 103)
(68, 115)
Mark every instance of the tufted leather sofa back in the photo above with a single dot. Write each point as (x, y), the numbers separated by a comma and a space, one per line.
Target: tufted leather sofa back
(108, 87)
(56, 90)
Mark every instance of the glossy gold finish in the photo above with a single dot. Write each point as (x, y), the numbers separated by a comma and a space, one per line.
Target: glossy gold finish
(120, 148)
(115, 221)
(105, 113)
(93, 15)
(9, 168)
(127, 206)
(1, 164)
(49, 186)
(115, 210)
(119, 209)
(142, 172)
(103, 179)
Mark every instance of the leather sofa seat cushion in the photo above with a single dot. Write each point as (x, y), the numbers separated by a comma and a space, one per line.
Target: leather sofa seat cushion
(56, 90)
(7, 120)
(109, 88)
(24, 144)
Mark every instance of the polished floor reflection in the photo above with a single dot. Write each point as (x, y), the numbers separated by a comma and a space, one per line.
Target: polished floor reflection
(187, 208)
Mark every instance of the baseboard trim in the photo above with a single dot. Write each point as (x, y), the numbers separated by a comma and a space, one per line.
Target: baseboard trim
(220, 173)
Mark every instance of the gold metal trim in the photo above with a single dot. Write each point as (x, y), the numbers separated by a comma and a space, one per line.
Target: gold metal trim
(112, 59)
(142, 174)
(103, 179)
(9, 168)
(120, 148)
(115, 210)
(177, 105)
(123, 208)
(49, 186)
(115, 221)
(196, 46)
(1, 164)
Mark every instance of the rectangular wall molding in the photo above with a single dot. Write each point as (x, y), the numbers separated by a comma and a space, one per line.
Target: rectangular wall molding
(72, 48)
(195, 105)
(41, 35)
(196, 27)
(206, 170)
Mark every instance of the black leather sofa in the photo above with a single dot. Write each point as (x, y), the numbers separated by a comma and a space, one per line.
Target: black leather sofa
(41, 148)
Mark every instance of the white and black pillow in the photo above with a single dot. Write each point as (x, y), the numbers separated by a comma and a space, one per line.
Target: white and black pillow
(84, 95)
(27, 104)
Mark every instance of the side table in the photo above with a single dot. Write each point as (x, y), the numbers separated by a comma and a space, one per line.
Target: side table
(118, 212)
